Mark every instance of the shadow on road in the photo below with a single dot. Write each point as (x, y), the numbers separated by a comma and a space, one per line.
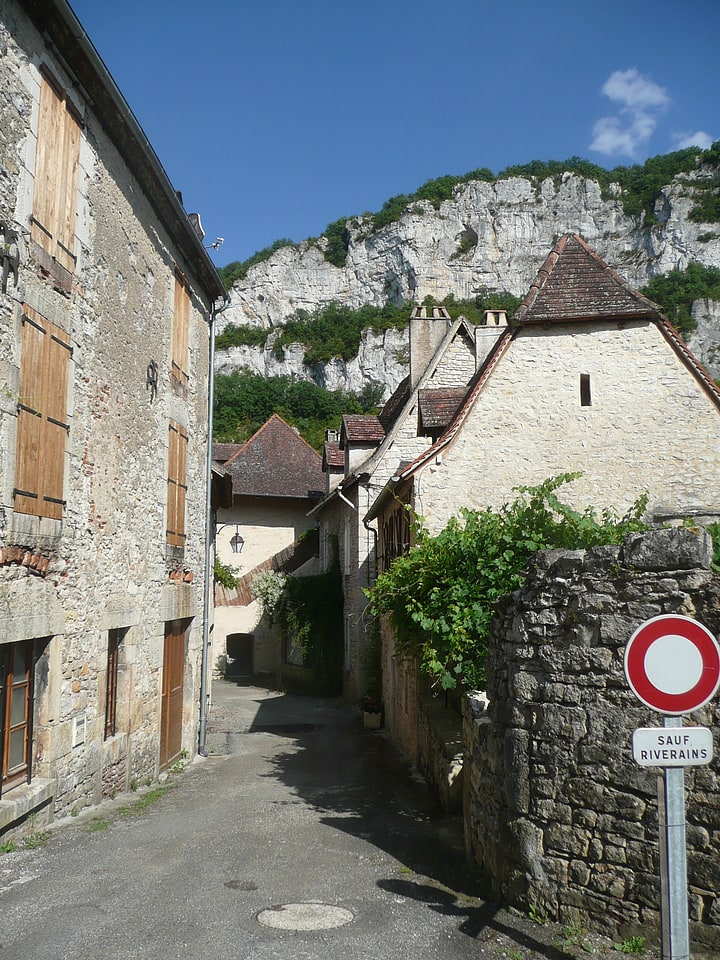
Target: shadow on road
(360, 784)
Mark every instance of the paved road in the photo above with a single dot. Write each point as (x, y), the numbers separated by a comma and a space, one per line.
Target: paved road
(296, 805)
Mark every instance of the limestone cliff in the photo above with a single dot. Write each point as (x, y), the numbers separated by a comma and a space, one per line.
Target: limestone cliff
(490, 235)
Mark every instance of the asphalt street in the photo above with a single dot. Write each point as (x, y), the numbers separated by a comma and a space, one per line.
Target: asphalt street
(301, 836)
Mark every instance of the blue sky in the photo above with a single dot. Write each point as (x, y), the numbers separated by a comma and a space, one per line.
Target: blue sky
(276, 117)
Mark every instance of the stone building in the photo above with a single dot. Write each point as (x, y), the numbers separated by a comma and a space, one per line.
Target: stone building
(105, 309)
(588, 377)
(276, 479)
(444, 356)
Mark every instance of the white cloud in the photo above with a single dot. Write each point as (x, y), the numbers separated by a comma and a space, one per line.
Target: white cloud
(640, 100)
(699, 139)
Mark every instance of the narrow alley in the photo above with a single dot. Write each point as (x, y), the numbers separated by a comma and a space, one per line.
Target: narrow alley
(302, 835)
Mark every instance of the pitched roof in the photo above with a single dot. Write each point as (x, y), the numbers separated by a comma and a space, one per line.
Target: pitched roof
(333, 457)
(394, 405)
(575, 284)
(579, 263)
(438, 406)
(222, 452)
(361, 428)
(276, 462)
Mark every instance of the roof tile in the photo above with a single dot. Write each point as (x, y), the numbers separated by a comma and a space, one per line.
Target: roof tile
(276, 462)
(575, 284)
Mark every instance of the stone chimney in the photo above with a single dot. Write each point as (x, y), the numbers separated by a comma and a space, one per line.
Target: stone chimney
(428, 326)
(494, 324)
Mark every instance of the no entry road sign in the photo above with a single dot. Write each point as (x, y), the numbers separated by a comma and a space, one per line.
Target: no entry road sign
(672, 664)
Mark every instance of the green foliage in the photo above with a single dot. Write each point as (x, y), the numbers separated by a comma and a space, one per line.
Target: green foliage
(243, 402)
(225, 575)
(474, 310)
(440, 595)
(268, 587)
(335, 330)
(237, 270)
(310, 613)
(714, 531)
(631, 945)
(676, 291)
(338, 242)
(242, 336)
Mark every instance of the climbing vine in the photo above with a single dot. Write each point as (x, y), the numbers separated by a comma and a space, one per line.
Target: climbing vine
(440, 595)
(310, 615)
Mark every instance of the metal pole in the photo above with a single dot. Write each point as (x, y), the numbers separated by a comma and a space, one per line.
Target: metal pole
(676, 855)
(209, 542)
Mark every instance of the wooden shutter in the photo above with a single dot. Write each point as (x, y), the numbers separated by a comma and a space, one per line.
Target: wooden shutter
(42, 417)
(181, 320)
(67, 198)
(177, 484)
(57, 159)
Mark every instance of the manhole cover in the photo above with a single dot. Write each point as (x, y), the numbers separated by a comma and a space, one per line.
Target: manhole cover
(305, 916)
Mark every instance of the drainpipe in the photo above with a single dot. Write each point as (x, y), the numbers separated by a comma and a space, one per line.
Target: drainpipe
(209, 541)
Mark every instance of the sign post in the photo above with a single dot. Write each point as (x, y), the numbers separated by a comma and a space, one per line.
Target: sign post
(672, 664)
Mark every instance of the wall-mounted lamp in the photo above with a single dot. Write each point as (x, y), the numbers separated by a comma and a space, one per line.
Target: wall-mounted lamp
(236, 541)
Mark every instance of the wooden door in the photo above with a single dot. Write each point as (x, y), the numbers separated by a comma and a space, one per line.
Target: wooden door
(171, 709)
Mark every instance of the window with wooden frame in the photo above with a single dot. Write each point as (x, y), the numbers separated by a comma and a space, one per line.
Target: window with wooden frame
(42, 426)
(181, 322)
(176, 484)
(115, 639)
(57, 159)
(16, 710)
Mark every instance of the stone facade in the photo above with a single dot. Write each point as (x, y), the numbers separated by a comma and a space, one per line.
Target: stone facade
(103, 565)
(558, 813)
(650, 426)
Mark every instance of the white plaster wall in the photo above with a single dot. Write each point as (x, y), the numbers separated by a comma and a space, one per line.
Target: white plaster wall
(651, 427)
(268, 525)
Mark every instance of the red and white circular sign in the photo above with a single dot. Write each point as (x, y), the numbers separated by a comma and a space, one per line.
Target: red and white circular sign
(672, 664)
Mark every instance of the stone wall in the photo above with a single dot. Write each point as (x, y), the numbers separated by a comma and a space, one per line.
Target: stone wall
(558, 813)
(650, 427)
(106, 564)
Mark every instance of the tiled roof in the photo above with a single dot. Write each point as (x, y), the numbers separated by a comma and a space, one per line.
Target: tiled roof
(437, 407)
(394, 405)
(575, 284)
(222, 452)
(333, 457)
(575, 261)
(358, 428)
(276, 462)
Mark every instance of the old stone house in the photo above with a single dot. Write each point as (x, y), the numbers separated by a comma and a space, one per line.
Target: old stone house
(105, 308)
(276, 480)
(369, 450)
(588, 377)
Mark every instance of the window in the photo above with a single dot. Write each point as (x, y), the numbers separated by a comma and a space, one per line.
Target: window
(115, 638)
(347, 547)
(177, 485)
(395, 534)
(16, 702)
(57, 159)
(585, 395)
(42, 425)
(181, 321)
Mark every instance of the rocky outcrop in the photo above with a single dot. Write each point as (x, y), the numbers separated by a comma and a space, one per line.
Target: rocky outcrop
(490, 235)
